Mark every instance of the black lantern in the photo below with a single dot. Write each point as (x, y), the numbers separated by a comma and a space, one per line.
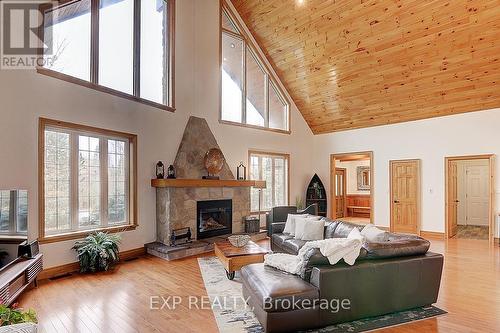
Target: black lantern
(241, 172)
(171, 172)
(160, 170)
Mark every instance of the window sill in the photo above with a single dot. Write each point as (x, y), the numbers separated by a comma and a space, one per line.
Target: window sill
(85, 233)
(275, 130)
(74, 80)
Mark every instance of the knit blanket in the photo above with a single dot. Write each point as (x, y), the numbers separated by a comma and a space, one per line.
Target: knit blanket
(332, 248)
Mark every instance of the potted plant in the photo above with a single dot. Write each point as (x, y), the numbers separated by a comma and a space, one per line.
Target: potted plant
(14, 315)
(97, 252)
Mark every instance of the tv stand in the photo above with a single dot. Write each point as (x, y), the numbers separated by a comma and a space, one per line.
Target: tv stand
(16, 277)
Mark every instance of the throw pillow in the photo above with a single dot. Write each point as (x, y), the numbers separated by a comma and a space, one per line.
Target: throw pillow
(355, 233)
(313, 230)
(374, 234)
(290, 223)
(300, 225)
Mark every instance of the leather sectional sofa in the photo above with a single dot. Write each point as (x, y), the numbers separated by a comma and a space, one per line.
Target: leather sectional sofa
(390, 276)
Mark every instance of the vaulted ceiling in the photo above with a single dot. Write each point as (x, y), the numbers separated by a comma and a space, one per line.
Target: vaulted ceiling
(358, 63)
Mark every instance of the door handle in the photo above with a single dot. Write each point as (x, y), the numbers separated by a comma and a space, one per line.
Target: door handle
(457, 201)
(396, 201)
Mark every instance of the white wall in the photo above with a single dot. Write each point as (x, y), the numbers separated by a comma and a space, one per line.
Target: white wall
(25, 96)
(429, 140)
(352, 175)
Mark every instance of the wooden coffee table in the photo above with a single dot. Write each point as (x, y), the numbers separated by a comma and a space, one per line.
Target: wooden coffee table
(234, 258)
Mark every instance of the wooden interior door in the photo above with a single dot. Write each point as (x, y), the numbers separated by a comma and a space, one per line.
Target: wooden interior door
(340, 195)
(452, 198)
(405, 196)
(477, 195)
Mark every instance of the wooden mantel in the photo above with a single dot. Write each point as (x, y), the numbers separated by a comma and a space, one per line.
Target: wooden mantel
(207, 183)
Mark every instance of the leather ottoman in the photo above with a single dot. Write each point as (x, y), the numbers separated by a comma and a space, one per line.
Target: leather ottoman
(282, 302)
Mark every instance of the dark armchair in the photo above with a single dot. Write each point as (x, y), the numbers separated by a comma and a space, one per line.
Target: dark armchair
(276, 218)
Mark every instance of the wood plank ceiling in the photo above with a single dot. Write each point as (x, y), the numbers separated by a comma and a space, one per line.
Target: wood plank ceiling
(356, 63)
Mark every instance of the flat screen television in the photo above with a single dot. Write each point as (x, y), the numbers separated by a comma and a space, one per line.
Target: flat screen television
(13, 224)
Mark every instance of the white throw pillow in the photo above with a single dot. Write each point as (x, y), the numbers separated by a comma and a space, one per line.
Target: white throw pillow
(374, 234)
(355, 234)
(290, 223)
(314, 230)
(300, 225)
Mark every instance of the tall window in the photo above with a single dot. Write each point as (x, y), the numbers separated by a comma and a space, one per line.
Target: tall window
(250, 93)
(118, 46)
(274, 169)
(88, 178)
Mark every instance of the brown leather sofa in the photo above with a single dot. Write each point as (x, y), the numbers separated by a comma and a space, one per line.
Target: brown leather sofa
(395, 275)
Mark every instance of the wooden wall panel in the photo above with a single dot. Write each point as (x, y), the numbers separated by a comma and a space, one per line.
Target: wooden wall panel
(353, 64)
(360, 200)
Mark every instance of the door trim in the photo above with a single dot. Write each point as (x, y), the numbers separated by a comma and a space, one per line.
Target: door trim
(333, 157)
(419, 193)
(447, 160)
(344, 189)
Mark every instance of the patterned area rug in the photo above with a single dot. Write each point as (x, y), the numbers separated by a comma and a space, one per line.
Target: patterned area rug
(233, 315)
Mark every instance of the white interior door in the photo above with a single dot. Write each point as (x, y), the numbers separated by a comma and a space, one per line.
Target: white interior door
(477, 194)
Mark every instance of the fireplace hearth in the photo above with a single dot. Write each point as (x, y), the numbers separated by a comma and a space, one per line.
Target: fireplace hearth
(214, 218)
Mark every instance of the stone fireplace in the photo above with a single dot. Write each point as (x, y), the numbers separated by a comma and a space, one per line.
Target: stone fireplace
(214, 218)
(180, 202)
(177, 207)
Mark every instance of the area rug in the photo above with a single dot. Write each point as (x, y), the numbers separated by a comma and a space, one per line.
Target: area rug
(234, 315)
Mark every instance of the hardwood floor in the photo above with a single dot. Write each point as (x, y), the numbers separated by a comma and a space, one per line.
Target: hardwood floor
(360, 220)
(119, 301)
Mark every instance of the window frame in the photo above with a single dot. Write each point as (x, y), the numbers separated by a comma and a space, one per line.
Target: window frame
(286, 157)
(131, 185)
(94, 55)
(250, 49)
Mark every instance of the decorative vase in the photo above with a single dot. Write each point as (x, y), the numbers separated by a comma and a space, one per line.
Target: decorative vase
(214, 162)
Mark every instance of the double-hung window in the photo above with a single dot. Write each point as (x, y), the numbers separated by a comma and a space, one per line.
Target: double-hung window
(123, 47)
(250, 93)
(88, 179)
(274, 169)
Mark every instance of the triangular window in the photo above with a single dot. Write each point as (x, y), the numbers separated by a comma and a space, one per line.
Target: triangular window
(250, 92)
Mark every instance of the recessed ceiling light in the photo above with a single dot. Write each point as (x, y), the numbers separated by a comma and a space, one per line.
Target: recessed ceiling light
(233, 46)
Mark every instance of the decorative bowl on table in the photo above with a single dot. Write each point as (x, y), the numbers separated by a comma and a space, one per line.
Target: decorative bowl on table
(239, 240)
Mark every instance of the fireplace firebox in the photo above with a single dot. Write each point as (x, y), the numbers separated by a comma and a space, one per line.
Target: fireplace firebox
(214, 218)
